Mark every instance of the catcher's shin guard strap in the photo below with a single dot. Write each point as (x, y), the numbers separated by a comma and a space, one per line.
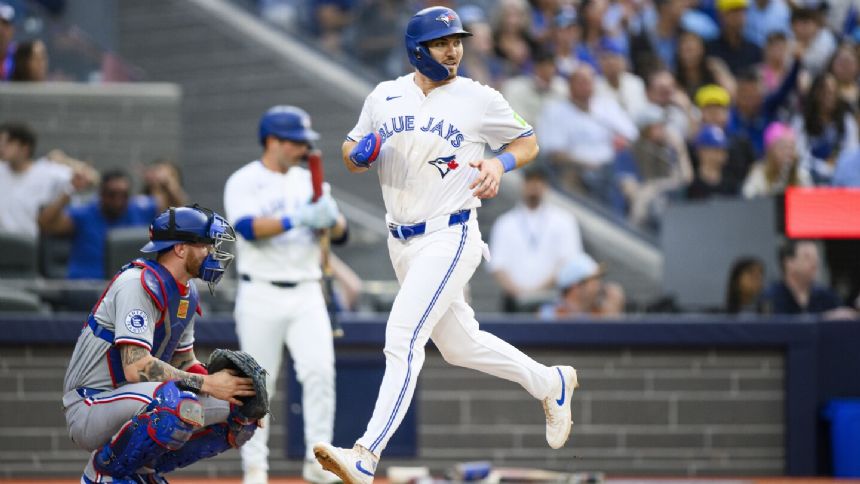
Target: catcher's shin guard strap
(166, 424)
(208, 442)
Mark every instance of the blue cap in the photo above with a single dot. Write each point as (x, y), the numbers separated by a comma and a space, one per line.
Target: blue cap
(711, 136)
(578, 269)
(700, 24)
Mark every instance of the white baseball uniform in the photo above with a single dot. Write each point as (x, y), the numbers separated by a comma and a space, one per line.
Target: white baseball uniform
(425, 175)
(280, 299)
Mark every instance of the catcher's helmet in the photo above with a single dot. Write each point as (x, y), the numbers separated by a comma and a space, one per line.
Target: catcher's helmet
(195, 225)
(288, 123)
(428, 24)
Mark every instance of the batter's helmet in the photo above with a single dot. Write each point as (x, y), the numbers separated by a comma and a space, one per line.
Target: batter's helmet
(428, 24)
(287, 122)
(195, 225)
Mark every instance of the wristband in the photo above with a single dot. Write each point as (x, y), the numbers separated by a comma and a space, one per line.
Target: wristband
(508, 161)
(286, 223)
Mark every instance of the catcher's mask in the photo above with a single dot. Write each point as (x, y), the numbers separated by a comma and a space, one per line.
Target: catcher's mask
(194, 225)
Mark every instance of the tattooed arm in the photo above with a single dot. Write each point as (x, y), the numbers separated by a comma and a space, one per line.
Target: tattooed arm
(140, 366)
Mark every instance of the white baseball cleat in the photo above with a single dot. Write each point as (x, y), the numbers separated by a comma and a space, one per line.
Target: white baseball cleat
(354, 466)
(313, 472)
(557, 407)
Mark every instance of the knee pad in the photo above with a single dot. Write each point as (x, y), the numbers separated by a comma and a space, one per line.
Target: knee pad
(165, 424)
(209, 442)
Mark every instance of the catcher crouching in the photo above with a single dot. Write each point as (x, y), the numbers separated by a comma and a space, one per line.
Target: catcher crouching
(134, 392)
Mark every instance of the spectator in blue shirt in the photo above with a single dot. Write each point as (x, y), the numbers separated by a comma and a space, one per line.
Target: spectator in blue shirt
(764, 17)
(797, 292)
(754, 110)
(88, 223)
(732, 46)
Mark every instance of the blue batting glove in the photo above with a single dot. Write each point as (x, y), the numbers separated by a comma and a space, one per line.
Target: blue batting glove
(366, 150)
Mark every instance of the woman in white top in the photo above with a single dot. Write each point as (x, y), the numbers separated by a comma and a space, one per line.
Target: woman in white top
(779, 168)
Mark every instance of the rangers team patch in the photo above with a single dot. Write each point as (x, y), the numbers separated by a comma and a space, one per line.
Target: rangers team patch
(445, 164)
(137, 321)
(183, 309)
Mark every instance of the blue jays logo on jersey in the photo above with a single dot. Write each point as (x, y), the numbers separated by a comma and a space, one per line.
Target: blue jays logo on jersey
(446, 17)
(445, 164)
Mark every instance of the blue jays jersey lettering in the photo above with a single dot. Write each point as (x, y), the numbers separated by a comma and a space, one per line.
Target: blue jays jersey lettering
(429, 141)
(440, 127)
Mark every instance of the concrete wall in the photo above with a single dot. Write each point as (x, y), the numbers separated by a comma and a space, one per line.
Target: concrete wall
(111, 125)
(639, 412)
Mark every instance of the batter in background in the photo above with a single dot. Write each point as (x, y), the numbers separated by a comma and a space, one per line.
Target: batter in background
(427, 133)
(280, 299)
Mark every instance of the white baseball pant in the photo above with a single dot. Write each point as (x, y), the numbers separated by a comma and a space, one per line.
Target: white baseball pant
(433, 270)
(269, 317)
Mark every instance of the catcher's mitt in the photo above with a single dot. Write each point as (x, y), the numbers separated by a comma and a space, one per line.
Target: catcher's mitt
(257, 406)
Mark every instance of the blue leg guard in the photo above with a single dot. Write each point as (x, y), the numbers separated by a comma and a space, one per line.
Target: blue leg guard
(209, 442)
(166, 424)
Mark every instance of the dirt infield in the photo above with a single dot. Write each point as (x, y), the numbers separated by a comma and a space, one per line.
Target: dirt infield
(619, 480)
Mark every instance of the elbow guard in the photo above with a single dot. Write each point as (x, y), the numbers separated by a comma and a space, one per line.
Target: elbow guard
(245, 227)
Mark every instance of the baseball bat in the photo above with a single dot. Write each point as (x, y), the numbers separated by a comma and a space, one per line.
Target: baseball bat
(315, 165)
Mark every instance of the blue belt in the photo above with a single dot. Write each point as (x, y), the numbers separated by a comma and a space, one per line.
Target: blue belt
(99, 330)
(404, 232)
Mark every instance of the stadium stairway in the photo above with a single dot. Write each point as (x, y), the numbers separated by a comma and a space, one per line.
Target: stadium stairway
(231, 67)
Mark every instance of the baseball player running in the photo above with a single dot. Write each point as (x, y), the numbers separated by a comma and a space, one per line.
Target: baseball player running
(280, 299)
(427, 132)
(134, 392)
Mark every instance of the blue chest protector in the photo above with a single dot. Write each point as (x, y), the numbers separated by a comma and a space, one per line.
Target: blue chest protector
(176, 313)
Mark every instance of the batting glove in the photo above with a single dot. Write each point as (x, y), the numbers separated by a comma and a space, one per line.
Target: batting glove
(320, 215)
(366, 150)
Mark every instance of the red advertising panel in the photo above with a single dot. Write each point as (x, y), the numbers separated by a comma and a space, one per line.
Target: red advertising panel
(822, 213)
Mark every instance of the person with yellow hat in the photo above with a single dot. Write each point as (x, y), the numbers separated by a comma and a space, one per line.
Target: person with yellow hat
(732, 46)
(714, 103)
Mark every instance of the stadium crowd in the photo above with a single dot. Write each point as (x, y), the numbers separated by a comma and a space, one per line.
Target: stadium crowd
(642, 103)
(637, 104)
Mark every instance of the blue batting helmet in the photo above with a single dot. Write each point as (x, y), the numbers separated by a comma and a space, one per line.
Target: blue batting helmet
(287, 123)
(428, 24)
(194, 225)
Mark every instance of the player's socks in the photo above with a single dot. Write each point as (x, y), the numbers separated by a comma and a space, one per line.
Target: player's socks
(556, 406)
(354, 466)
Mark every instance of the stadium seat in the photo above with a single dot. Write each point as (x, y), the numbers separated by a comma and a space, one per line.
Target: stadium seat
(54, 256)
(16, 300)
(123, 245)
(18, 258)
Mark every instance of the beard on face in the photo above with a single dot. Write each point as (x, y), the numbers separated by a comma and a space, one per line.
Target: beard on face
(193, 263)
